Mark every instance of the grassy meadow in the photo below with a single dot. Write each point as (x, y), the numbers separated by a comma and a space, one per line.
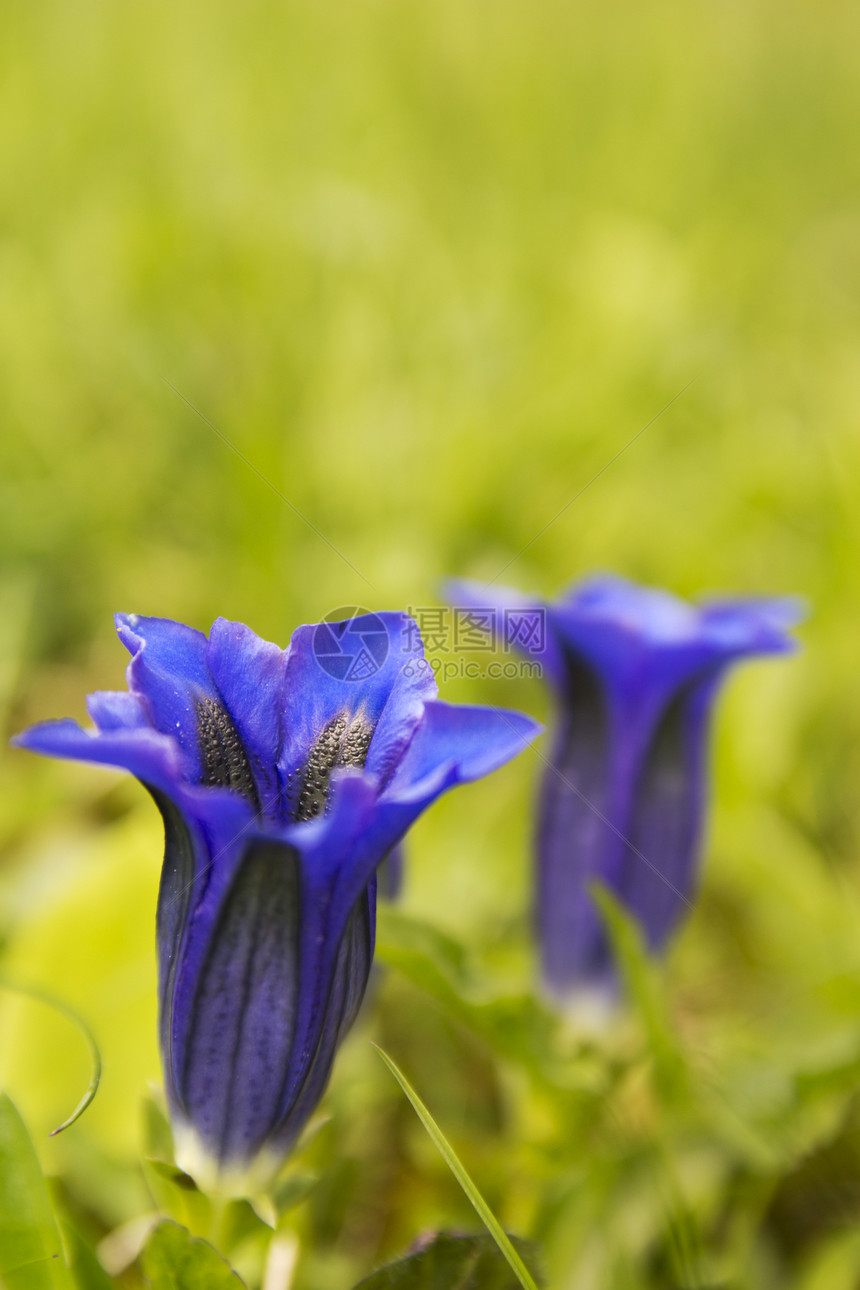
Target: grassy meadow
(315, 305)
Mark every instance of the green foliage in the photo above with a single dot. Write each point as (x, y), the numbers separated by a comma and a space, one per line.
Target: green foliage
(514, 1025)
(31, 1252)
(640, 976)
(429, 268)
(175, 1260)
(87, 1272)
(450, 1263)
(451, 1159)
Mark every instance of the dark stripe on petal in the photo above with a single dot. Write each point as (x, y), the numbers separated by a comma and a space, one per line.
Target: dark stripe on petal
(334, 1016)
(354, 960)
(243, 1016)
(174, 901)
(225, 762)
(666, 820)
(573, 841)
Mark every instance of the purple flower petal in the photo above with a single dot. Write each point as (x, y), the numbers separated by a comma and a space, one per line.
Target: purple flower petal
(623, 799)
(284, 778)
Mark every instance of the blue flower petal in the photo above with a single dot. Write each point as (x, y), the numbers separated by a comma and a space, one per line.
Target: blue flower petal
(338, 854)
(645, 643)
(242, 1075)
(636, 671)
(576, 844)
(118, 710)
(237, 991)
(659, 866)
(346, 983)
(468, 741)
(265, 920)
(153, 758)
(249, 674)
(183, 874)
(385, 696)
(757, 625)
(168, 667)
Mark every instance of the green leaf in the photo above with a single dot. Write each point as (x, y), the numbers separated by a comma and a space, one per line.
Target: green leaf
(176, 1194)
(290, 1192)
(642, 982)
(178, 1177)
(451, 1159)
(157, 1135)
(450, 1263)
(173, 1259)
(402, 931)
(31, 1252)
(515, 1027)
(87, 1272)
(671, 1076)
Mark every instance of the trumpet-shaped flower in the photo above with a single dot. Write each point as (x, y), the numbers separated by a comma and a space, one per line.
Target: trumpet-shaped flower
(634, 672)
(283, 780)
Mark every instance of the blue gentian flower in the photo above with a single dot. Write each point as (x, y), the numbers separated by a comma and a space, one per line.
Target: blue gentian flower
(283, 780)
(635, 672)
(390, 874)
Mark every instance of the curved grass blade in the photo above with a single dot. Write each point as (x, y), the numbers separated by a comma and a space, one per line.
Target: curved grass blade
(50, 1001)
(447, 1153)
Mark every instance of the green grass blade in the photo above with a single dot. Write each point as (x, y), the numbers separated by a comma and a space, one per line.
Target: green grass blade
(448, 1154)
(50, 1001)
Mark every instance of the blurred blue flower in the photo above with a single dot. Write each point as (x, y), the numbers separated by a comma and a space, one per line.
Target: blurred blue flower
(635, 672)
(390, 874)
(283, 777)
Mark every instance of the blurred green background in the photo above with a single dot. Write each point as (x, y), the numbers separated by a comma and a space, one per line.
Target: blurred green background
(424, 270)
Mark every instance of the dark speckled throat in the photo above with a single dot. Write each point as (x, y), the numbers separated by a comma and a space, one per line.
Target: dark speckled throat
(225, 762)
(343, 742)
